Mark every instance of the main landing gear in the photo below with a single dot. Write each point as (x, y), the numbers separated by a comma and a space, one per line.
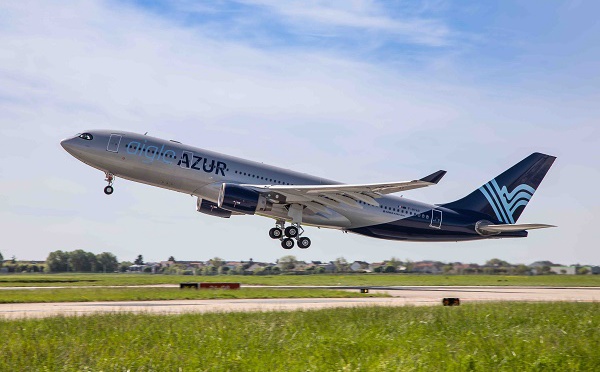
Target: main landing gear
(109, 178)
(288, 234)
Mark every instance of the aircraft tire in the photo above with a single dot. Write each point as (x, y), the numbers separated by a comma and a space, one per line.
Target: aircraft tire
(275, 233)
(303, 243)
(108, 190)
(291, 231)
(287, 243)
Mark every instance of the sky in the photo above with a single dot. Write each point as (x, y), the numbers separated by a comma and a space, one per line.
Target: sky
(356, 91)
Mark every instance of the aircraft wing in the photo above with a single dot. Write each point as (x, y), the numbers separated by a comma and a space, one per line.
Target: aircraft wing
(318, 197)
(513, 227)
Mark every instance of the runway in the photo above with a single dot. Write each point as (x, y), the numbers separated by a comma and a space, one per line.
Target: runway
(401, 296)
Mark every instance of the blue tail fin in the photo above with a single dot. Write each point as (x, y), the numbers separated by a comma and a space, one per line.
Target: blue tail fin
(504, 198)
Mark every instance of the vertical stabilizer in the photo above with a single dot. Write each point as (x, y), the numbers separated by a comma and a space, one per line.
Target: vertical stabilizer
(504, 198)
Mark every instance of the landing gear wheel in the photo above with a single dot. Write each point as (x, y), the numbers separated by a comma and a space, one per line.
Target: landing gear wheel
(275, 233)
(109, 178)
(291, 231)
(303, 243)
(287, 243)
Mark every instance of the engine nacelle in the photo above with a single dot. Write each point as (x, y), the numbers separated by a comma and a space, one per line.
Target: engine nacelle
(210, 208)
(241, 199)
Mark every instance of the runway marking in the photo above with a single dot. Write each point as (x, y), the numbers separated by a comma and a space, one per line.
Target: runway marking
(402, 296)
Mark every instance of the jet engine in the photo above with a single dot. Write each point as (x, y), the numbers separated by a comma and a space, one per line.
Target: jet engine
(236, 198)
(210, 208)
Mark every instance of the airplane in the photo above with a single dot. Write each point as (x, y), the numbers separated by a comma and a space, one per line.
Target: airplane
(228, 186)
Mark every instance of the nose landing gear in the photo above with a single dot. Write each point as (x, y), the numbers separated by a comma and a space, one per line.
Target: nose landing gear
(288, 234)
(109, 178)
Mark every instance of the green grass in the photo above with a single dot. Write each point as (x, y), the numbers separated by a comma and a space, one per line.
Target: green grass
(477, 337)
(147, 294)
(45, 280)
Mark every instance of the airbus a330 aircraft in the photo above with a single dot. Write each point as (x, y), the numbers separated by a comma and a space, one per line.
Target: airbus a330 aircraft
(226, 186)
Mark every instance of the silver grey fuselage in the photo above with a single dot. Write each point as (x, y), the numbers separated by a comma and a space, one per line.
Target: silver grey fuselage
(199, 172)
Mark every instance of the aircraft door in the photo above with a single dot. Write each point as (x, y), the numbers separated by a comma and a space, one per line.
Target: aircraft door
(113, 143)
(436, 219)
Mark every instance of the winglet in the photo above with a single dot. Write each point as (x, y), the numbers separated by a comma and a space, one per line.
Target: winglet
(434, 177)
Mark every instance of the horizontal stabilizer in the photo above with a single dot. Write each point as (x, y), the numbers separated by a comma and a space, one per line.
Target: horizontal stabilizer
(513, 227)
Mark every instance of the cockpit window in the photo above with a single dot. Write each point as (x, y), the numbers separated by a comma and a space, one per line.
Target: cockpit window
(86, 136)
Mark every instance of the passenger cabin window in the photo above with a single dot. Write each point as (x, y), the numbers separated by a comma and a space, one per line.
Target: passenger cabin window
(86, 136)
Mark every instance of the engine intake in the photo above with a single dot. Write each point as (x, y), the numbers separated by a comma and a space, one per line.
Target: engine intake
(210, 208)
(241, 199)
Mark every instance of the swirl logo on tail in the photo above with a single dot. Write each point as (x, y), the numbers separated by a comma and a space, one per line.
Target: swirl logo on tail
(505, 203)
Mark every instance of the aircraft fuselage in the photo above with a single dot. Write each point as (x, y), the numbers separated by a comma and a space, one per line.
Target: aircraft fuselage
(199, 172)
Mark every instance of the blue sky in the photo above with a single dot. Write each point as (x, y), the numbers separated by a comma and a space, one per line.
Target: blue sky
(358, 91)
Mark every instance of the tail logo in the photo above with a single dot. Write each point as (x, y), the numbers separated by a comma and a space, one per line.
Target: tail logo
(505, 203)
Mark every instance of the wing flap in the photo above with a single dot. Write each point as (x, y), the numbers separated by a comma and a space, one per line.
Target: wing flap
(320, 197)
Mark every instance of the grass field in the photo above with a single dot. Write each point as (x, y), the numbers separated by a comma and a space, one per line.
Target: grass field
(47, 280)
(481, 337)
(146, 294)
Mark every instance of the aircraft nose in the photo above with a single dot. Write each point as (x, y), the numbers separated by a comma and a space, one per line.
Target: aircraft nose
(67, 144)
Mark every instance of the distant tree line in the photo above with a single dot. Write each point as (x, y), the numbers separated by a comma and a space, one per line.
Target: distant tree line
(81, 261)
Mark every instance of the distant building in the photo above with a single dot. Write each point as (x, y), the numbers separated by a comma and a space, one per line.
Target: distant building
(136, 268)
(564, 270)
(360, 266)
(427, 267)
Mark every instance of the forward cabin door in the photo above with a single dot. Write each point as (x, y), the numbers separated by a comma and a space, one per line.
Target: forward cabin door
(436, 219)
(113, 143)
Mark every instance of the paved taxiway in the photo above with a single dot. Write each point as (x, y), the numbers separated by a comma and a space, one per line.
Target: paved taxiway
(401, 296)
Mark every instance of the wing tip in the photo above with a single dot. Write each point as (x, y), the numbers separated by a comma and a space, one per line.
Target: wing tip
(434, 177)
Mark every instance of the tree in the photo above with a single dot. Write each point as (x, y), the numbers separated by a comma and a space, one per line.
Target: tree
(209, 270)
(389, 269)
(341, 265)
(583, 271)
(139, 260)
(124, 266)
(107, 262)
(1, 259)
(497, 262)
(216, 262)
(288, 262)
(79, 260)
(171, 258)
(58, 261)
(522, 269)
(92, 262)
(409, 265)
(394, 261)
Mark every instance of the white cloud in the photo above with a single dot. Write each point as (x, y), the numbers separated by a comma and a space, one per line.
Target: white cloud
(105, 65)
(364, 16)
